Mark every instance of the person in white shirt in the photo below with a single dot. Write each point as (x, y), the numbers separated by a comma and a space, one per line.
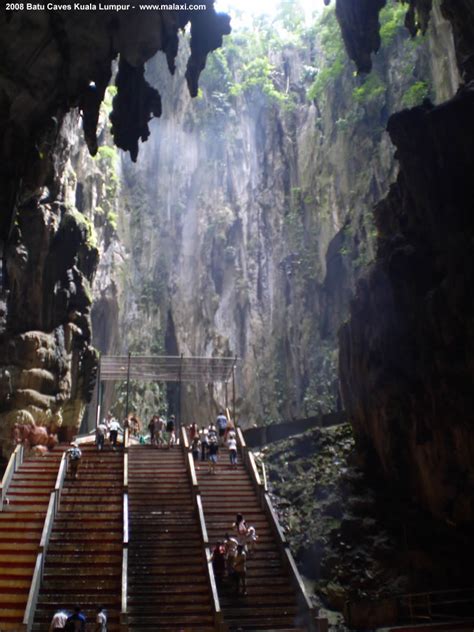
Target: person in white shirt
(100, 621)
(232, 445)
(114, 428)
(100, 434)
(58, 622)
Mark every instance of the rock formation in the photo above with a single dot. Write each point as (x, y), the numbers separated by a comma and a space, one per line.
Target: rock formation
(56, 65)
(406, 352)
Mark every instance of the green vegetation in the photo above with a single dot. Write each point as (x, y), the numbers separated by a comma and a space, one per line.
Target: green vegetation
(73, 216)
(415, 94)
(392, 19)
(259, 74)
(372, 88)
(328, 31)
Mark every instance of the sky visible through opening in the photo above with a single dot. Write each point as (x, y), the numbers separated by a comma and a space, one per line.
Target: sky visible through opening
(243, 10)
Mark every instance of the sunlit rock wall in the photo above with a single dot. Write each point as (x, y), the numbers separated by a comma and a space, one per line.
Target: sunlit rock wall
(249, 219)
(55, 64)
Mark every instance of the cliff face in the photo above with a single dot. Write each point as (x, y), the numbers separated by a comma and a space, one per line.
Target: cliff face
(248, 217)
(405, 359)
(55, 64)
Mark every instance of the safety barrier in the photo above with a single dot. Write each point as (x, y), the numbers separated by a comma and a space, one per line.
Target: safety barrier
(16, 459)
(313, 622)
(53, 508)
(442, 606)
(218, 618)
(125, 539)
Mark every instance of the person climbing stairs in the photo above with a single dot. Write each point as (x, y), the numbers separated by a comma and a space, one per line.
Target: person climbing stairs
(83, 563)
(21, 525)
(271, 601)
(168, 587)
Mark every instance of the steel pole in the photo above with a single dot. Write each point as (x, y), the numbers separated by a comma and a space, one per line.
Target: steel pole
(128, 385)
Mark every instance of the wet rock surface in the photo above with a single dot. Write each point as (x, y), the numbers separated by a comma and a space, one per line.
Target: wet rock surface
(356, 538)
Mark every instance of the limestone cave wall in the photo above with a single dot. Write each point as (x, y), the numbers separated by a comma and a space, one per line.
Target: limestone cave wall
(54, 72)
(248, 217)
(406, 351)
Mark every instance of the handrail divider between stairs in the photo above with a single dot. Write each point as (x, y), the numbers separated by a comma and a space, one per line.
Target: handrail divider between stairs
(14, 462)
(126, 536)
(314, 623)
(218, 617)
(51, 513)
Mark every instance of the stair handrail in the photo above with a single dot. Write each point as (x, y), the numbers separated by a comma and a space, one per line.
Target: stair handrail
(126, 535)
(61, 477)
(30, 609)
(51, 513)
(261, 464)
(311, 612)
(14, 462)
(218, 617)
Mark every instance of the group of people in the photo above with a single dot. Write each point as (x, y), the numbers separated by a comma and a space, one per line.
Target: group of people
(162, 431)
(76, 622)
(229, 557)
(205, 442)
(108, 427)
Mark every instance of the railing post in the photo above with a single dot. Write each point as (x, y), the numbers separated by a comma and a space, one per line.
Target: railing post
(219, 625)
(51, 513)
(125, 539)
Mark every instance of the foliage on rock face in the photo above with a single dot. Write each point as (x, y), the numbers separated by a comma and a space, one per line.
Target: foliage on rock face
(415, 94)
(392, 19)
(335, 60)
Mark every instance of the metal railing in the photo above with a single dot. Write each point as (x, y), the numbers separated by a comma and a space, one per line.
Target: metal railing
(16, 459)
(125, 539)
(53, 508)
(312, 620)
(441, 606)
(218, 617)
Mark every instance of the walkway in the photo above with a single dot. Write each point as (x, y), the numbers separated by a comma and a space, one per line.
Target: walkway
(168, 587)
(21, 525)
(84, 558)
(271, 602)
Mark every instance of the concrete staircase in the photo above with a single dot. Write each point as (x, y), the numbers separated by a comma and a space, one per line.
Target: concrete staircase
(271, 600)
(168, 587)
(21, 525)
(84, 558)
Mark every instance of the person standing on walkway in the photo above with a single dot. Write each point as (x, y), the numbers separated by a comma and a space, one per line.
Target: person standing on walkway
(100, 434)
(100, 620)
(213, 454)
(76, 622)
(240, 527)
(230, 546)
(195, 448)
(218, 562)
(204, 436)
(114, 428)
(152, 428)
(240, 570)
(171, 430)
(73, 456)
(232, 446)
(59, 620)
(193, 431)
(221, 423)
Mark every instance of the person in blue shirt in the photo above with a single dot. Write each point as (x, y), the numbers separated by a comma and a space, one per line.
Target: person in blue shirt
(221, 423)
(77, 621)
